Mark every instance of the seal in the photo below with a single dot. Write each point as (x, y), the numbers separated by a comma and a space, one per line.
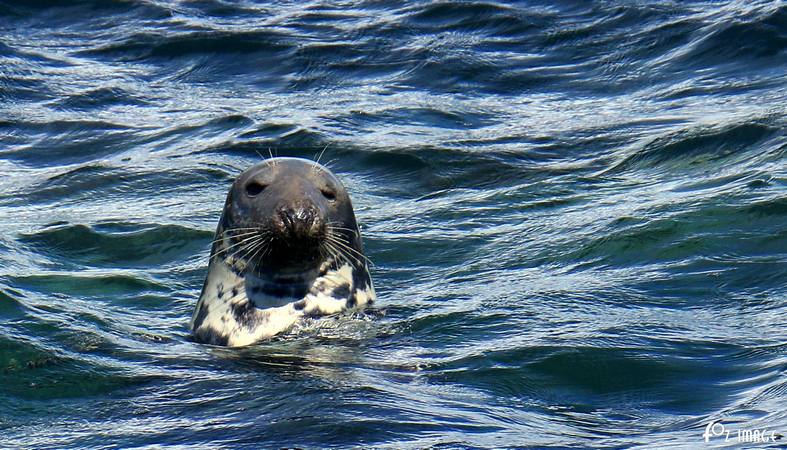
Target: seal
(287, 246)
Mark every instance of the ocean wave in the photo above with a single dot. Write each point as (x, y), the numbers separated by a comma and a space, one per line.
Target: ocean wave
(575, 212)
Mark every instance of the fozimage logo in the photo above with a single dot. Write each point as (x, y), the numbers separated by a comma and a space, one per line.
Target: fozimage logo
(716, 429)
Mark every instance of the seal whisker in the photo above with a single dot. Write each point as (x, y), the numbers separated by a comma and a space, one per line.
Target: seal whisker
(325, 252)
(329, 249)
(242, 254)
(267, 250)
(338, 254)
(336, 240)
(344, 252)
(261, 245)
(234, 236)
(334, 224)
(273, 161)
(339, 245)
(334, 252)
(256, 248)
(234, 254)
(243, 244)
(226, 234)
(334, 227)
(331, 229)
(316, 167)
(344, 241)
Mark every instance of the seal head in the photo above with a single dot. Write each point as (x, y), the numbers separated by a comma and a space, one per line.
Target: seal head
(287, 246)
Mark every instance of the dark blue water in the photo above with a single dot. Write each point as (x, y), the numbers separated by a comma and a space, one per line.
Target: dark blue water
(577, 213)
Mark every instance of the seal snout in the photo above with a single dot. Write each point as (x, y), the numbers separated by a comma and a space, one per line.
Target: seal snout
(300, 221)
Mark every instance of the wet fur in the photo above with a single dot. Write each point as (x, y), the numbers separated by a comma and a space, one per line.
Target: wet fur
(237, 307)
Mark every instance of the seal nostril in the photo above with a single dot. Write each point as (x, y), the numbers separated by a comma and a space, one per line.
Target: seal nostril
(285, 217)
(316, 227)
(254, 188)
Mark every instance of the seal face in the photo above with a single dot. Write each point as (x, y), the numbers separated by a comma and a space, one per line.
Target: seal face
(287, 246)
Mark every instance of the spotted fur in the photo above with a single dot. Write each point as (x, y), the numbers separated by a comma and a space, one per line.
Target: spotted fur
(236, 320)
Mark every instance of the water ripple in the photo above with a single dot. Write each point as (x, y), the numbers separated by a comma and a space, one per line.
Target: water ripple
(575, 211)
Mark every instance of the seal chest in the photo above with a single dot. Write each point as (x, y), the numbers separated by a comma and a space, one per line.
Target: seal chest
(287, 246)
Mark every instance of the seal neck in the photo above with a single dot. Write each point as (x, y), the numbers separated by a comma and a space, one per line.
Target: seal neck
(266, 291)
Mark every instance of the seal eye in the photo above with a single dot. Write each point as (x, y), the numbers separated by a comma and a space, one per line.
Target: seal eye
(328, 194)
(254, 188)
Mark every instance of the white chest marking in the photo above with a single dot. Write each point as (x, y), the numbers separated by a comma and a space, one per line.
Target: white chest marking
(225, 315)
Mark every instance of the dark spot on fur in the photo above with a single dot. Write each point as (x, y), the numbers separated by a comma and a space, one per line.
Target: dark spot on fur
(210, 336)
(352, 301)
(342, 291)
(246, 315)
(241, 310)
(317, 287)
(220, 290)
(234, 292)
(299, 305)
(313, 314)
(282, 291)
(361, 278)
(202, 313)
(234, 267)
